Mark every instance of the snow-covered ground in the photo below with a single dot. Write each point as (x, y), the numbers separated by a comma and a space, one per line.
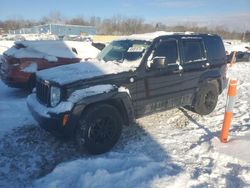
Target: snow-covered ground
(240, 46)
(176, 148)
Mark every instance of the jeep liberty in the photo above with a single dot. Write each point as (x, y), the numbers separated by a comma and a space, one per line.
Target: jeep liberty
(131, 77)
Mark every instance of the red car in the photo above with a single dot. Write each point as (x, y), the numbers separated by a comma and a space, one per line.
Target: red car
(25, 58)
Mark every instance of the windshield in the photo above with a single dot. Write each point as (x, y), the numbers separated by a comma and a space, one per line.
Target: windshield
(124, 50)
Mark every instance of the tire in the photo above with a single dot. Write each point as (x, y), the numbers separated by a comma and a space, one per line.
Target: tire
(99, 129)
(206, 98)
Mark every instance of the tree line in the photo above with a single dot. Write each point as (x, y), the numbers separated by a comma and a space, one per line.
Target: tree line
(120, 25)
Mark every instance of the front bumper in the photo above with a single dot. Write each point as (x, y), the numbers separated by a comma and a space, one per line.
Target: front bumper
(51, 119)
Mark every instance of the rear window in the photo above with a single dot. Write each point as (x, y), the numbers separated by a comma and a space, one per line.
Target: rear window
(193, 50)
(215, 48)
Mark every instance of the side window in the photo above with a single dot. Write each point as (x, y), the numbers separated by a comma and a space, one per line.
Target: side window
(215, 47)
(165, 49)
(193, 50)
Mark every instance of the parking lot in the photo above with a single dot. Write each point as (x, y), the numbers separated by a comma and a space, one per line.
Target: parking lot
(172, 148)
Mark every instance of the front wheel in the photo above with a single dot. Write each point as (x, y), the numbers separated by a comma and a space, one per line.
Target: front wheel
(99, 129)
(206, 99)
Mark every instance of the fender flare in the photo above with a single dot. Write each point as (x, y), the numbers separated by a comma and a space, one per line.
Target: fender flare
(210, 77)
(120, 99)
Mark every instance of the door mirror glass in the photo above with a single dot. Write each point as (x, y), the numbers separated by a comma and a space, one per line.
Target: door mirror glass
(159, 63)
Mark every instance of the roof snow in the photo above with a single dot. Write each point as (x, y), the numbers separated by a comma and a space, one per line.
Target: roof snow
(153, 35)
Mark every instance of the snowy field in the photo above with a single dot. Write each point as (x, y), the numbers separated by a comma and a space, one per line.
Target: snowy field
(176, 148)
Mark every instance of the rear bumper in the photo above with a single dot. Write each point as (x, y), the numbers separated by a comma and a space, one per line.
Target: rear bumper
(52, 120)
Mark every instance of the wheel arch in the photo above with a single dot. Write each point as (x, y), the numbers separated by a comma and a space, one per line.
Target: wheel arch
(121, 101)
(212, 77)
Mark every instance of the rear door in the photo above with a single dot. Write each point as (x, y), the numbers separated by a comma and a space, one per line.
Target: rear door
(194, 61)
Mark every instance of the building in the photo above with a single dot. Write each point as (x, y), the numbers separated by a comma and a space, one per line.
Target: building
(57, 29)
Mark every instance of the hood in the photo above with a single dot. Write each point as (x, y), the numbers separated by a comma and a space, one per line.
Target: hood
(67, 74)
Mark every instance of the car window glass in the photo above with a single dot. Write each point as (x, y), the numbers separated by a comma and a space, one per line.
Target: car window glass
(215, 48)
(193, 50)
(166, 49)
(124, 50)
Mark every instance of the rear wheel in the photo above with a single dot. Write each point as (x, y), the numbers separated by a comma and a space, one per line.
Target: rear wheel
(206, 98)
(99, 129)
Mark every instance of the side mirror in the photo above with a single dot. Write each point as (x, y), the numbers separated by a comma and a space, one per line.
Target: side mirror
(159, 63)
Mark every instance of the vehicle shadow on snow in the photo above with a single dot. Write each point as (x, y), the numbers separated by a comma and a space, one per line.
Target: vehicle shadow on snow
(29, 153)
(209, 135)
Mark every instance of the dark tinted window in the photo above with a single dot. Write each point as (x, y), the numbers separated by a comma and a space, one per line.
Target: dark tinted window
(193, 50)
(215, 48)
(167, 49)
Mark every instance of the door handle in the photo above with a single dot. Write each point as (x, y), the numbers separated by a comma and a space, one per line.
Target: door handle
(206, 65)
(179, 70)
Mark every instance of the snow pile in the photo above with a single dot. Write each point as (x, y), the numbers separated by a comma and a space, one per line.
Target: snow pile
(112, 170)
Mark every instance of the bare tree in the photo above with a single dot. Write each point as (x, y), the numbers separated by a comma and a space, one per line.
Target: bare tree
(120, 25)
(54, 17)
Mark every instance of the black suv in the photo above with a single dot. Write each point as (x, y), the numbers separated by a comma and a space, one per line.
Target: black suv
(132, 77)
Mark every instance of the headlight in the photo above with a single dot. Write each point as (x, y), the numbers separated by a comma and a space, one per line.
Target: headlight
(55, 96)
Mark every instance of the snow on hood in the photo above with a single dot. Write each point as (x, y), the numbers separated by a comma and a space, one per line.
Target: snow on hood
(70, 73)
(86, 92)
(50, 50)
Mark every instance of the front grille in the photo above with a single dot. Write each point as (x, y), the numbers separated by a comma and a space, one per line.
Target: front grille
(43, 92)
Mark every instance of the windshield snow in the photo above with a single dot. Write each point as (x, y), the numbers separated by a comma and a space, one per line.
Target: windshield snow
(124, 50)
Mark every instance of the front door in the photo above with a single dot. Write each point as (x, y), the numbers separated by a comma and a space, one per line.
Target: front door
(161, 87)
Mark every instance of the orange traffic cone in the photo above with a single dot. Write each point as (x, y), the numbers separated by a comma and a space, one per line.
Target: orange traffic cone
(231, 95)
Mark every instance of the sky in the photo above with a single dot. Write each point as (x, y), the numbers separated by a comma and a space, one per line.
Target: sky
(205, 12)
